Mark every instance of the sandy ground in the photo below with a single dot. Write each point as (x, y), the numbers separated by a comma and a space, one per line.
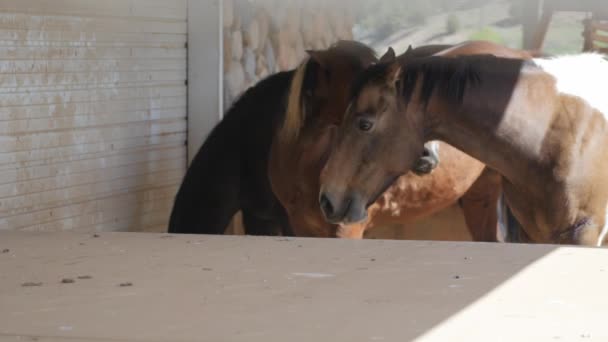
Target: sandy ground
(447, 225)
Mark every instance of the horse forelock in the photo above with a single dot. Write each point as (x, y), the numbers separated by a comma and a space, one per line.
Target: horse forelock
(358, 53)
(344, 51)
(295, 111)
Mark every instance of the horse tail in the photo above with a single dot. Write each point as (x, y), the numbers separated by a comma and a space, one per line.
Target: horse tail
(295, 113)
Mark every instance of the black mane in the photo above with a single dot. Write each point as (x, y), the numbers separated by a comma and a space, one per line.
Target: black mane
(450, 77)
(371, 76)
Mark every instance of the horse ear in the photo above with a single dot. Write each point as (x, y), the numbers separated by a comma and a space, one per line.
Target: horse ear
(393, 73)
(409, 50)
(389, 56)
(317, 56)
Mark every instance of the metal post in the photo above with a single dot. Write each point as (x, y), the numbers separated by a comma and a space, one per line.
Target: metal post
(204, 70)
(531, 16)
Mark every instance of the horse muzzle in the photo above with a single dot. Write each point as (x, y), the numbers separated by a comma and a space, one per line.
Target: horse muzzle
(348, 210)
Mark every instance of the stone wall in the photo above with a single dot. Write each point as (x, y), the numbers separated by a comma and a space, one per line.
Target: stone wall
(266, 36)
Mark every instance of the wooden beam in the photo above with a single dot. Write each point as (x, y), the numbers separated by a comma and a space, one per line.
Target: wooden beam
(599, 38)
(158, 287)
(600, 25)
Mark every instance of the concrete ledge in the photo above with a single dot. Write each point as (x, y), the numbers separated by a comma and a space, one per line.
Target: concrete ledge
(203, 288)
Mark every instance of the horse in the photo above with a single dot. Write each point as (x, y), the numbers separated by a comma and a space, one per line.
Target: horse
(300, 150)
(540, 123)
(230, 171)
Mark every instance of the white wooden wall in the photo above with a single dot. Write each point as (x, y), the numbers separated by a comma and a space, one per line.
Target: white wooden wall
(92, 113)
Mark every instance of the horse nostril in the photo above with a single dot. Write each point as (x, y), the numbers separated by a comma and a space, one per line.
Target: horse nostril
(426, 153)
(326, 205)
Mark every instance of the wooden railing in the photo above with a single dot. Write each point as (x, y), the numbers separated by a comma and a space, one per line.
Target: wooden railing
(539, 14)
(596, 35)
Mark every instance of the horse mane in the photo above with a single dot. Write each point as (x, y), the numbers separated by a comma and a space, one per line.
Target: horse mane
(450, 77)
(348, 52)
(296, 111)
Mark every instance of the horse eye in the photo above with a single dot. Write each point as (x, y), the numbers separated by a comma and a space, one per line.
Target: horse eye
(365, 125)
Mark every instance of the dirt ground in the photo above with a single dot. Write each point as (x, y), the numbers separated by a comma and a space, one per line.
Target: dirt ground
(446, 225)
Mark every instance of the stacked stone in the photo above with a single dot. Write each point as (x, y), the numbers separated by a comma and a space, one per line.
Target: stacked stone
(267, 36)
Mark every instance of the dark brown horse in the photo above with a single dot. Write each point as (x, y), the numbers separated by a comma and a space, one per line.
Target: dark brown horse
(299, 152)
(541, 124)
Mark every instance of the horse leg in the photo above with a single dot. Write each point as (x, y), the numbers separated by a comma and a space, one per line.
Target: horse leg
(512, 230)
(479, 206)
(255, 225)
(203, 208)
(284, 225)
(193, 218)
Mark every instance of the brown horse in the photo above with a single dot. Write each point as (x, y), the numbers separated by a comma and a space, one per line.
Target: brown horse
(300, 149)
(541, 124)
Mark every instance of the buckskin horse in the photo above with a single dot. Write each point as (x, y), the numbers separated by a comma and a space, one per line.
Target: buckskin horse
(300, 150)
(230, 171)
(541, 124)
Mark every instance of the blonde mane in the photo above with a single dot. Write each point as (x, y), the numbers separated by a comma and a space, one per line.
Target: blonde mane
(343, 51)
(295, 113)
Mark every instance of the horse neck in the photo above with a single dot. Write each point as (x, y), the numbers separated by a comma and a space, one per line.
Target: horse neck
(496, 124)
